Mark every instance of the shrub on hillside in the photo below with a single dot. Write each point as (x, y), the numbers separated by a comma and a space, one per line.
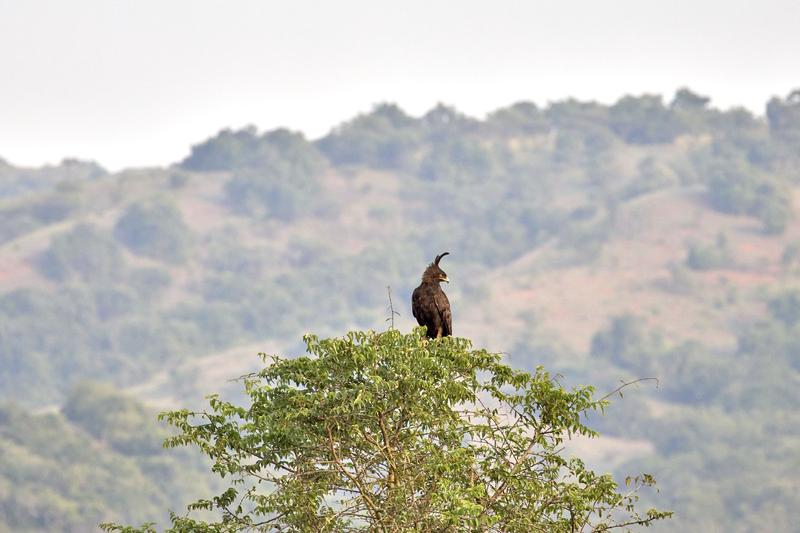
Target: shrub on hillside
(85, 253)
(627, 343)
(743, 190)
(154, 229)
(652, 176)
(281, 182)
(384, 138)
(118, 421)
(644, 120)
(458, 161)
(280, 151)
(266, 194)
(784, 119)
(522, 118)
(710, 256)
(786, 307)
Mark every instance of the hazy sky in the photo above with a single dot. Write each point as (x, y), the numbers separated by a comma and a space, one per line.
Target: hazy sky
(135, 83)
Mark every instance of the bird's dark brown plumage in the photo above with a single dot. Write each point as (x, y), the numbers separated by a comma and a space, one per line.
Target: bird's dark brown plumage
(429, 303)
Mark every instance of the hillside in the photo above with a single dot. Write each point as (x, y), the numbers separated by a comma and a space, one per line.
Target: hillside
(605, 242)
(99, 458)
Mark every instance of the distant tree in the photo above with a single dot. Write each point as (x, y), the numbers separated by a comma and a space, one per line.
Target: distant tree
(691, 110)
(280, 151)
(277, 177)
(148, 282)
(736, 187)
(444, 122)
(117, 420)
(786, 307)
(154, 229)
(626, 342)
(228, 150)
(573, 114)
(113, 301)
(15, 181)
(644, 120)
(583, 137)
(178, 180)
(791, 254)
(85, 253)
(459, 160)
(652, 175)
(383, 138)
(522, 118)
(102, 458)
(783, 116)
(269, 194)
(391, 432)
(64, 202)
(687, 100)
(691, 375)
(710, 257)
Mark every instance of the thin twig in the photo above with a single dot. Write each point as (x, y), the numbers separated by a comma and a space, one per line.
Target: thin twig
(625, 384)
(391, 310)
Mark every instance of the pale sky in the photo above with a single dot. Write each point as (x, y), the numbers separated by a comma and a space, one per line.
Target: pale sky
(136, 83)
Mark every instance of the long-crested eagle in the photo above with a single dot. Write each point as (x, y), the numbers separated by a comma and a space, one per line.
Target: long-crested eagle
(429, 303)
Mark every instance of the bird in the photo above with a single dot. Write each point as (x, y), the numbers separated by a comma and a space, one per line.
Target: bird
(429, 303)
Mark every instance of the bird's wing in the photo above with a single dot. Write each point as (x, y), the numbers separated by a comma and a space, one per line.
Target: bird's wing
(415, 304)
(443, 306)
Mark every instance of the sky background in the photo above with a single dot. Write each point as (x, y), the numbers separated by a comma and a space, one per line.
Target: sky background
(136, 83)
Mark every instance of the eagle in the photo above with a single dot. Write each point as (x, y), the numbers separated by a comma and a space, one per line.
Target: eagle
(429, 303)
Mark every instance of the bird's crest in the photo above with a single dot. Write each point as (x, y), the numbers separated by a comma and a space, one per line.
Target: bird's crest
(433, 272)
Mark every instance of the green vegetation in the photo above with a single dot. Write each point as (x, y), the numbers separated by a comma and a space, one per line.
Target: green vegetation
(784, 119)
(276, 173)
(737, 400)
(710, 256)
(154, 229)
(100, 459)
(653, 175)
(645, 120)
(16, 181)
(284, 152)
(83, 253)
(738, 190)
(572, 212)
(391, 432)
(45, 209)
(384, 138)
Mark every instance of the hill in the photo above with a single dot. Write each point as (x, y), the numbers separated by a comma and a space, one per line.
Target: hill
(99, 458)
(606, 242)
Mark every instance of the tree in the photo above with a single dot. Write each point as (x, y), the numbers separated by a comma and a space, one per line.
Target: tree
(84, 253)
(786, 307)
(280, 150)
(737, 187)
(392, 432)
(522, 118)
(710, 256)
(384, 138)
(275, 174)
(154, 229)
(784, 118)
(644, 120)
(688, 100)
(627, 343)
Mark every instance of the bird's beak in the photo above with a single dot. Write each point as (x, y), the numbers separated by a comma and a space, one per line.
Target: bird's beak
(445, 279)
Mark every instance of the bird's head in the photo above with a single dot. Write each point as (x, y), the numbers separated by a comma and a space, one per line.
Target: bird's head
(434, 274)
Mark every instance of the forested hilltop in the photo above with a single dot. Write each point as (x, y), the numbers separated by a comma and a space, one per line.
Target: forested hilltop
(644, 238)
